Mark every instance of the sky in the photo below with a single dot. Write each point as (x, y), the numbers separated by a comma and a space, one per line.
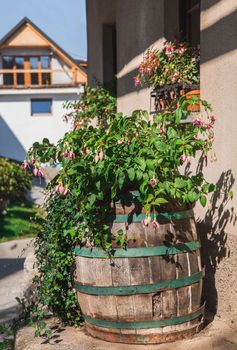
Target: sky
(64, 21)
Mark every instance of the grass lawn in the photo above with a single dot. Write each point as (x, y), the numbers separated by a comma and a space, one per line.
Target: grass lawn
(19, 222)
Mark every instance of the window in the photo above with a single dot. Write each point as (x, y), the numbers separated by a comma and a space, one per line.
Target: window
(109, 58)
(41, 106)
(8, 63)
(28, 71)
(190, 21)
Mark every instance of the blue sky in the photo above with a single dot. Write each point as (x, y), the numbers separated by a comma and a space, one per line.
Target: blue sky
(64, 21)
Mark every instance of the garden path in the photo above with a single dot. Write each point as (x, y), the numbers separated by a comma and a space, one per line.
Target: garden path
(12, 257)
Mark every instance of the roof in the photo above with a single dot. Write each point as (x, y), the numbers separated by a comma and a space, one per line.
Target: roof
(26, 21)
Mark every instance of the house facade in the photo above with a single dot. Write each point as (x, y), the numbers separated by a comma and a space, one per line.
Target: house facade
(36, 78)
(119, 32)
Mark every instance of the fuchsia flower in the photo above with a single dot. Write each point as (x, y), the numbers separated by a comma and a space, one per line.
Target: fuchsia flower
(162, 130)
(137, 81)
(197, 122)
(141, 69)
(66, 191)
(213, 119)
(40, 173)
(71, 154)
(61, 189)
(25, 164)
(101, 155)
(35, 171)
(181, 50)
(155, 224)
(33, 160)
(65, 154)
(153, 182)
(166, 70)
(183, 157)
(145, 222)
(97, 158)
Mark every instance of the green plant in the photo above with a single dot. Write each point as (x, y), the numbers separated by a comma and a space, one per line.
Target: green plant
(176, 63)
(132, 152)
(98, 163)
(95, 104)
(14, 182)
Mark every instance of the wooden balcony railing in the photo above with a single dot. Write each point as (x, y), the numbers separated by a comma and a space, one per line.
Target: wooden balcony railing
(20, 78)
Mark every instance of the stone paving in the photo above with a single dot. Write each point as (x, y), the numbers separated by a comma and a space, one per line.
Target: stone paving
(219, 335)
(12, 257)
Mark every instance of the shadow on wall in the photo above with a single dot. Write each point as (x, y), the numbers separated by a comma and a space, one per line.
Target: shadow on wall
(214, 237)
(10, 146)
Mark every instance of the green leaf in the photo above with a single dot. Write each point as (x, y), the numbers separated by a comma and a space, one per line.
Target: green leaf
(178, 115)
(121, 180)
(131, 174)
(203, 200)
(141, 162)
(180, 183)
(159, 201)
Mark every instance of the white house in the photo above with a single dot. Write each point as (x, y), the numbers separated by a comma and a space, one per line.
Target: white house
(36, 77)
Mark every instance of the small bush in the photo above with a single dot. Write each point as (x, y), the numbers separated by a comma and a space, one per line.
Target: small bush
(14, 182)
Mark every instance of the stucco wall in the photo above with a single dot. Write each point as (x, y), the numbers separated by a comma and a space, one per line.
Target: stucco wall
(98, 12)
(18, 129)
(219, 87)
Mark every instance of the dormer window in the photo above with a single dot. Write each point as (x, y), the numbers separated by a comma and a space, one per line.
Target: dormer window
(26, 70)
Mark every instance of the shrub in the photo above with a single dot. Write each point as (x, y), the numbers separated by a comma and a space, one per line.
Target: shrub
(14, 182)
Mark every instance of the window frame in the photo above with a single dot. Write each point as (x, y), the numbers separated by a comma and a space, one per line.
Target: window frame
(41, 113)
(27, 71)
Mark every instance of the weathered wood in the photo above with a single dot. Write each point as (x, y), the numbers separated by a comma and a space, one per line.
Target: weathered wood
(164, 304)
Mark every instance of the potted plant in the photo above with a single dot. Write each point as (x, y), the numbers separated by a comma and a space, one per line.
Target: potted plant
(171, 72)
(123, 206)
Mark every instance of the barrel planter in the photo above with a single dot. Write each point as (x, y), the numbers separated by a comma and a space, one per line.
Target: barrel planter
(149, 292)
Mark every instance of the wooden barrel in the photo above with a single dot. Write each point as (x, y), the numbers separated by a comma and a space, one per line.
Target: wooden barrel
(149, 292)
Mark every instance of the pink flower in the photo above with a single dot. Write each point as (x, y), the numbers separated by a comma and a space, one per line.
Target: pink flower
(66, 191)
(141, 69)
(101, 155)
(57, 188)
(71, 154)
(162, 130)
(61, 189)
(181, 50)
(155, 224)
(183, 157)
(137, 81)
(65, 154)
(213, 119)
(33, 160)
(35, 171)
(25, 164)
(166, 70)
(153, 182)
(145, 222)
(148, 70)
(40, 173)
(97, 158)
(85, 151)
(197, 122)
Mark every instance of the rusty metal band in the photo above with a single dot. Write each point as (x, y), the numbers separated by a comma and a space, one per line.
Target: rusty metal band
(139, 289)
(140, 252)
(146, 324)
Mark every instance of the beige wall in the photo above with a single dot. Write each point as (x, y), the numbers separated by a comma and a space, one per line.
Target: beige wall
(99, 12)
(140, 24)
(144, 23)
(219, 87)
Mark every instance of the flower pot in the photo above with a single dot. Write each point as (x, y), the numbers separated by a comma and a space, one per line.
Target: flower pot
(195, 107)
(150, 292)
(164, 98)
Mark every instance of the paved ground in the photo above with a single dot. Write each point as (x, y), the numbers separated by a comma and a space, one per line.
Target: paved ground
(12, 257)
(219, 335)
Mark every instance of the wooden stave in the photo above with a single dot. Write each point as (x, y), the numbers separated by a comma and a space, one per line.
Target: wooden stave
(184, 294)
